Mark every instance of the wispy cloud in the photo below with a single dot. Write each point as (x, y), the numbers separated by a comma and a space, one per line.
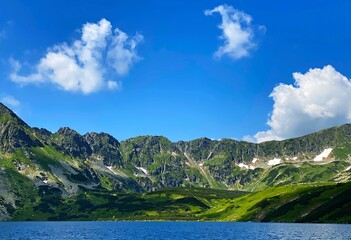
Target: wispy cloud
(84, 65)
(122, 51)
(10, 101)
(237, 32)
(319, 99)
(3, 34)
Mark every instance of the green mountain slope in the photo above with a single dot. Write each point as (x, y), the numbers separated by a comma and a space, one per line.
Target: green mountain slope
(299, 203)
(295, 203)
(35, 163)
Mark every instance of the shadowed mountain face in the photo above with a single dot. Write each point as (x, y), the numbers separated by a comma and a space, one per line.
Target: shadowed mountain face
(67, 162)
(14, 133)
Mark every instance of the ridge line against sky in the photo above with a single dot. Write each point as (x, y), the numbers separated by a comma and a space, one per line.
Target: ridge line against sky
(103, 52)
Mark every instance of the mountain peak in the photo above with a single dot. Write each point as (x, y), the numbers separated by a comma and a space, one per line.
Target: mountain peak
(7, 115)
(3, 108)
(67, 131)
(6, 111)
(14, 132)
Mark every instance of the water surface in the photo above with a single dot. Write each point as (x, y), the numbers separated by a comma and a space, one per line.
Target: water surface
(171, 230)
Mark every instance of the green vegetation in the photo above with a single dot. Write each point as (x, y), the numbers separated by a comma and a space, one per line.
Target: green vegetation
(166, 204)
(68, 176)
(296, 203)
(342, 152)
(287, 174)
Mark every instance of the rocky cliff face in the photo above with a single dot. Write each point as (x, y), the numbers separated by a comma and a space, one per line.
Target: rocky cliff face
(14, 133)
(104, 148)
(71, 143)
(69, 162)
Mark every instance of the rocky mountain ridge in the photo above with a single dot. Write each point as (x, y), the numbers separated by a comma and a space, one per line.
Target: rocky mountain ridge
(67, 162)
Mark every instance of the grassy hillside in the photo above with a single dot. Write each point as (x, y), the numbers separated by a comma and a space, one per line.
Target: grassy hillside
(69, 176)
(167, 204)
(296, 203)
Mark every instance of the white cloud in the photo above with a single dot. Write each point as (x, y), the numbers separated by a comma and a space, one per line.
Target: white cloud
(319, 99)
(112, 85)
(121, 54)
(10, 101)
(248, 138)
(83, 65)
(14, 76)
(16, 65)
(237, 32)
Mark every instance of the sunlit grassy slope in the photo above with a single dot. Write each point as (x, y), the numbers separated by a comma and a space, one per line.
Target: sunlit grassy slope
(297, 203)
(69, 176)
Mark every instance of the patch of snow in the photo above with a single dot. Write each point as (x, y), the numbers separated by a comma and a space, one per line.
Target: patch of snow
(254, 160)
(241, 165)
(201, 164)
(111, 169)
(209, 155)
(143, 170)
(348, 168)
(294, 158)
(323, 155)
(274, 161)
(116, 171)
(45, 181)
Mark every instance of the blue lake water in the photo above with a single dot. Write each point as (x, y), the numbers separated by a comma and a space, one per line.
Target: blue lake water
(171, 230)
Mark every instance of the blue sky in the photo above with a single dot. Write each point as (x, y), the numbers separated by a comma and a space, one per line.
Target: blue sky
(175, 71)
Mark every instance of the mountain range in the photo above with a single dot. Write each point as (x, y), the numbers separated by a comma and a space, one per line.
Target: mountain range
(69, 176)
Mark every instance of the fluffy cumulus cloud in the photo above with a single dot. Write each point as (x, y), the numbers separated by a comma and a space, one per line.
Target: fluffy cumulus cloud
(84, 65)
(237, 32)
(319, 99)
